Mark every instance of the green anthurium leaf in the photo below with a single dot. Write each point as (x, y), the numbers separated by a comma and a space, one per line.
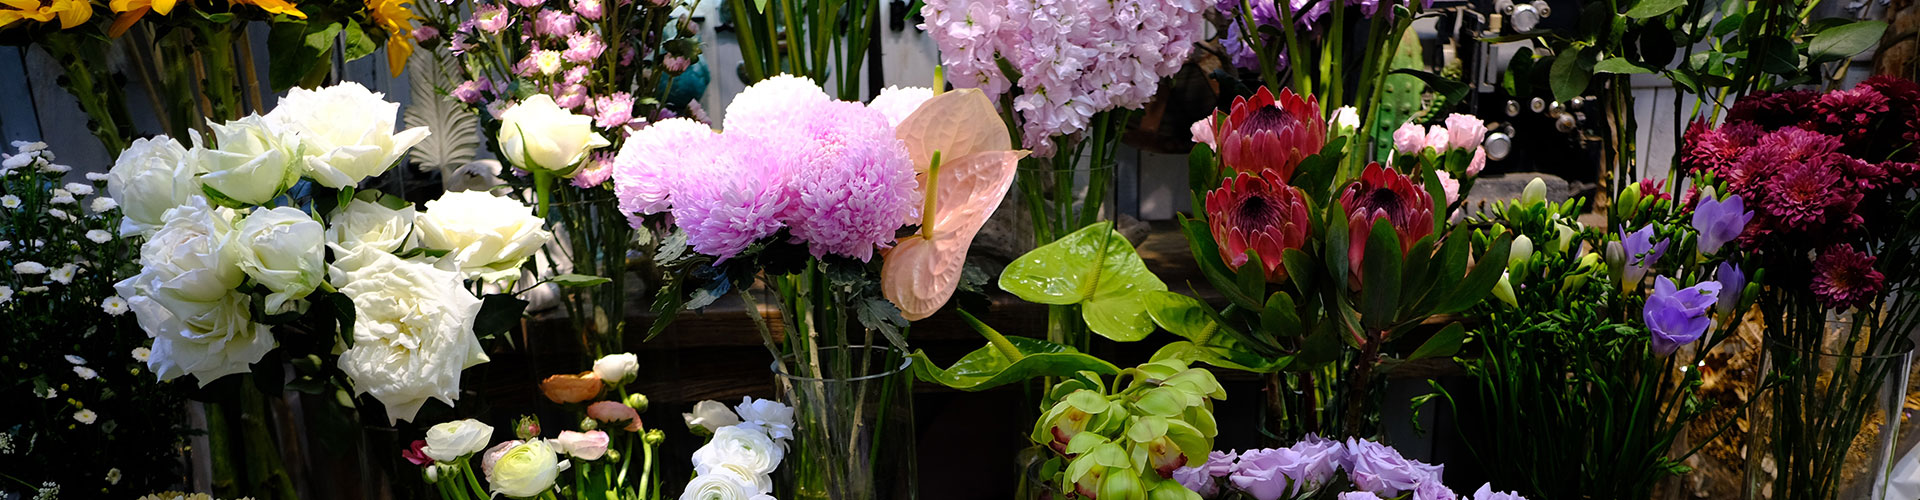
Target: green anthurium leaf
(1380, 281)
(1184, 316)
(1280, 318)
(1096, 268)
(1232, 359)
(1486, 271)
(1206, 253)
(1193, 443)
(579, 280)
(1147, 428)
(1088, 401)
(1446, 343)
(1162, 401)
(988, 367)
(1843, 41)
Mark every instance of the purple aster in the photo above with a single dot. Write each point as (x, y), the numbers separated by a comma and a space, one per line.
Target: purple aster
(1719, 222)
(1486, 493)
(491, 18)
(1641, 253)
(1380, 469)
(854, 184)
(554, 23)
(1844, 277)
(1733, 284)
(1678, 316)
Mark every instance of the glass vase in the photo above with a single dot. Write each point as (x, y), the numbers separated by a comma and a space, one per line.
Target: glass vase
(1828, 426)
(853, 426)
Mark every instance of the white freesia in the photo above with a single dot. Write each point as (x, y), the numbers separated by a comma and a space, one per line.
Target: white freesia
(412, 329)
(280, 248)
(367, 223)
(539, 135)
(184, 297)
(482, 233)
(767, 416)
(720, 485)
(151, 177)
(346, 130)
(738, 446)
(525, 470)
(449, 441)
(249, 161)
(616, 369)
(710, 415)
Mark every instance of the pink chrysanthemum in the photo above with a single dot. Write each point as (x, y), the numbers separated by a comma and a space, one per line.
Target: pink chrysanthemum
(1716, 149)
(1749, 176)
(898, 102)
(1815, 196)
(854, 183)
(491, 18)
(613, 111)
(1903, 125)
(589, 9)
(650, 164)
(1772, 110)
(732, 194)
(583, 47)
(1844, 277)
(597, 169)
(554, 23)
(777, 103)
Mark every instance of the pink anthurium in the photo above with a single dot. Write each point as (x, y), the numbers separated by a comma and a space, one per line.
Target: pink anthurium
(964, 155)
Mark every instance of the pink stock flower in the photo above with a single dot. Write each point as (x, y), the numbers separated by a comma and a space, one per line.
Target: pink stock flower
(613, 111)
(554, 23)
(588, 9)
(583, 47)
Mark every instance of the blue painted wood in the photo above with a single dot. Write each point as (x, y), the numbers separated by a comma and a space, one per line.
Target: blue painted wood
(18, 121)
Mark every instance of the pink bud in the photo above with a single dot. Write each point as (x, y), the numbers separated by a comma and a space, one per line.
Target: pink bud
(590, 445)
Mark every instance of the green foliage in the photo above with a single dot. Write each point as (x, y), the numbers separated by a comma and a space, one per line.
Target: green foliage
(1095, 268)
(1006, 360)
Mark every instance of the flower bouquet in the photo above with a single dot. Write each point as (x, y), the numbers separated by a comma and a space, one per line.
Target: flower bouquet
(746, 445)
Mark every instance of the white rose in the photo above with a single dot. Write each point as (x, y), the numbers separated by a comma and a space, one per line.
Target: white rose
(481, 232)
(738, 446)
(526, 470)
(412, 329)
(449, 441)
(710, 415)
(367, 223)
(767, 416)
(250, 162)
(616, 369)
(151, 177)
(280, 248)
(184, 297)
(347, 132)
(538, 135)
(720, 485)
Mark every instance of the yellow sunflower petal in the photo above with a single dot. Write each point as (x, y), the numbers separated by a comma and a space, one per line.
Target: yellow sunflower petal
(399, 46)
(164, 7)
(126, 20)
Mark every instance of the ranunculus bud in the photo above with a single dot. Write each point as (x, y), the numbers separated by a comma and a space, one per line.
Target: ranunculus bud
(709, 416)
(448, 441)
(637, 401)
(564, 388)
(590, 445)
(616, 414)
(526, 427)
(526, 470)
(655, 436)
(616, 369)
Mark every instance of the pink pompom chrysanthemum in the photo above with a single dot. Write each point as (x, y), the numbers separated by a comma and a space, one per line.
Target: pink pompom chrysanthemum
(732, 194)
(898, 102)
(854, 183)
(650, 164)
(779, 102)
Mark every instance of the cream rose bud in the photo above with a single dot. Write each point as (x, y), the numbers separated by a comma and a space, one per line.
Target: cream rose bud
(412, 329)
(448, 441)
(347, 132)
(590, 445)
(371, 224)
(720, 485)
(538, 135)
(151, 177)
(711, 416)
(617, 369)
(747, 448)
(250, 162)
(525, 471)
(481, 232)
(184, 297)
(281, 249)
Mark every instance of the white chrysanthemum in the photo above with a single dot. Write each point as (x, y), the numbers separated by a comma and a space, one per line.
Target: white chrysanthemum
(85, 416)
(30, 267)
(97, 176)
(99, 235)
(64, 274)
(76, 359)
(10, 201)
(141, 354)
(412, 330)
(6, 294)
(103, 204)
(114, 306)
(79, 189)
(85, 373)
(61, 197)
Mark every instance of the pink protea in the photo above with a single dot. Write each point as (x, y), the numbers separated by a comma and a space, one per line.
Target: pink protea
(650, 163)
(1382, 193)
(854, 184)
(1259, 212)
(583, 47)
(1844, 277)
(1268, 135)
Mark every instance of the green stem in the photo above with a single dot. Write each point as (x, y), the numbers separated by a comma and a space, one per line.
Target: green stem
(543, 189)
(999, 342)
(1296, 65)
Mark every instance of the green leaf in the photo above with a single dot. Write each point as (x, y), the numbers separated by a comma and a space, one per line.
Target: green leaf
(1321, 347)
(499, 313)
(1775, 55)
(1841, 42)
(1094, 267)
(1336, 247)
(1515, 80)
(1446, 343)
(1280, 316)
(1202, 175)
(1232, 359)
(1486, 271)
(1380, 280)
(986, 368)
(297, 52)
(1252, 276)
(1299, 269)
(1569, 76)
(1448, 89)
(580, 280)
(1206, 253)
(1649, 8)
(358, 44)
(1180, 314)
(1620, 65)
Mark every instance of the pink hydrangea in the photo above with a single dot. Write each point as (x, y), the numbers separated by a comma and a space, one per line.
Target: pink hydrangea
(854, 183)
(583, 47)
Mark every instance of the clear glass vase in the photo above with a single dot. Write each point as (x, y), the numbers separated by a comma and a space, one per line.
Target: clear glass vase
(853, 427)
(1829, 425)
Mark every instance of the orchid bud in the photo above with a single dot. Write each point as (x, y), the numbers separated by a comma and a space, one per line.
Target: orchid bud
(527, 427)
(1535, 193)
(637, 401)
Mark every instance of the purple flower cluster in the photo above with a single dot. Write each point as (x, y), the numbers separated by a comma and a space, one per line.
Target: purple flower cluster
(1074, 57)
(1302, 470)
(1309, 24)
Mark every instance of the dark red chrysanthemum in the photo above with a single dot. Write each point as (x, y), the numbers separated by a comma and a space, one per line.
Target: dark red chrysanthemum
(1901, 173)
(1772, 110)
(1850, 114)
(1382, 193)
(1715, 149)
(1260, 213)
(1268, 135)
(1844, 277)
(1810, 197)
(1903, 124)
(1749, 175)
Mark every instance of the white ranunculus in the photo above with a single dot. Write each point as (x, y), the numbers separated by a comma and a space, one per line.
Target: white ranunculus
(720, 485)
(617, 369)
(767, 416)
(710, 415)
(151, 177)
(539, 135)
(367, 223)
(281, 249)
(747, 448)
(346, 130)
(481, 232)
(249, 162)
(412, 329)
(449, 441)
(525, 470)
(184, 297)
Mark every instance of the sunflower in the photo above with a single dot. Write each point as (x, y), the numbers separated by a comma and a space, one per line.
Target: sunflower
(70, 12)
(393, 16)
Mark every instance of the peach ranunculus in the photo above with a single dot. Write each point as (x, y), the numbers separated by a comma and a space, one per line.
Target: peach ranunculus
(614, 412)
(565, 388)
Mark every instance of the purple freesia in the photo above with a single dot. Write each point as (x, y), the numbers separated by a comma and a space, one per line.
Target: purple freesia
(1641, 252)
(1486, 493)
(1732, 284)
(1204, 479)
(1678, 317)
(1380, 469)
(1719, 221)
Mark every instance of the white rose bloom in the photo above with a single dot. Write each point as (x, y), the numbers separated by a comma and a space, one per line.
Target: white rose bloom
(412, 330)
(252, 162)
(184, 297)
(616, 369)
(449, 441)
(481, 232)
(767, 416)
(367, 223)
(30, 267)
(347, 132)
(738, 446)
(710, 415)
(720, 485)
(103, 204)
(281, 249)
(151, 177)
(539, 135)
